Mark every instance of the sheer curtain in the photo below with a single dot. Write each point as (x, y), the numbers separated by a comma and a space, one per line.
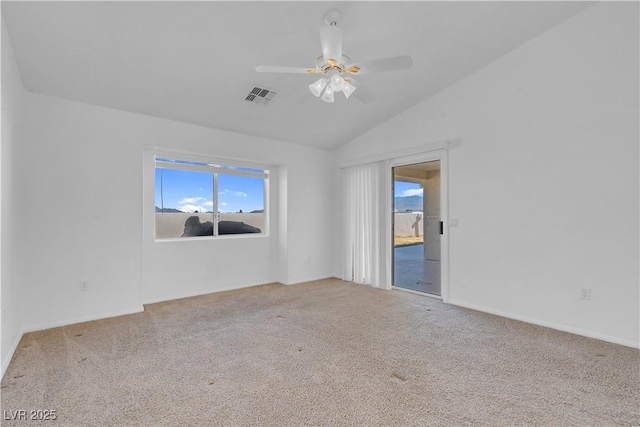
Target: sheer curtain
(364, 224)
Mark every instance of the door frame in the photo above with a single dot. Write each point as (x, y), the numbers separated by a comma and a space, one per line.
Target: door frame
(429, 156)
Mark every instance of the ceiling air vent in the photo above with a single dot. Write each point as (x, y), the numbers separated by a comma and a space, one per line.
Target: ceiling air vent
(261, 96)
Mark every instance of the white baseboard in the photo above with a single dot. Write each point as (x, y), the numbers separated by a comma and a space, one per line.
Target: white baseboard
(308, 279)
(552, 325)
(67, 322)
(228, 288)
(202, 292)
(14, 347)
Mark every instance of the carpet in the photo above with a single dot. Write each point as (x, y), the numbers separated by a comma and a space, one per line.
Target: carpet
(320, 353)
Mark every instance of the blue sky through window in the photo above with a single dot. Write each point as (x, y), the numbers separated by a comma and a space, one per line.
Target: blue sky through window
(190, 191)
(406, 189)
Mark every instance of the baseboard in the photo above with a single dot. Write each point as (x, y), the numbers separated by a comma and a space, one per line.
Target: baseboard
(228, 288)
(14, 347)
(552, 325)
(308, 279)
(57, 324)
(203, 292)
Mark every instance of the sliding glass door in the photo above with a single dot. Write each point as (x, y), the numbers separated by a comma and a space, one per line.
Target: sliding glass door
(417, 227)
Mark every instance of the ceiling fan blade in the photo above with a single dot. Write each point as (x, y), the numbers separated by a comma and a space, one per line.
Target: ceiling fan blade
(280, 69)
(364, 95)
(381, 65)
(331, 39)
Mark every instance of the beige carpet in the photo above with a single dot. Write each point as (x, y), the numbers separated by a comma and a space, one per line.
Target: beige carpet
(322, 353)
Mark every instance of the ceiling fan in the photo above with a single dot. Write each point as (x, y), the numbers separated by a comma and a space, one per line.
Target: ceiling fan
(334, 65)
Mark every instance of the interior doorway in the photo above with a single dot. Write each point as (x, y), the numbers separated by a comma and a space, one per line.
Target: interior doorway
(417, 227)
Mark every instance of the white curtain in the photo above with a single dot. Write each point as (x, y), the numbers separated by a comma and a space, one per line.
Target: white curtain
(364, 224)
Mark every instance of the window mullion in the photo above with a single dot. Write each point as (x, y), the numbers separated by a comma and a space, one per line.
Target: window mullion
(216, 215)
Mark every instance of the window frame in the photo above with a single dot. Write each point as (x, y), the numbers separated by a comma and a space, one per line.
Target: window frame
(215, 166)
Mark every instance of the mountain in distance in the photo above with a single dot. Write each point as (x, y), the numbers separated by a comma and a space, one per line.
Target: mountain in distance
(408, 204)
(167, 210)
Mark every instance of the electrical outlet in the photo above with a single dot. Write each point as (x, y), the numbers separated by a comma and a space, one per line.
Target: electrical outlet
(84, 285)
(585, 294)
(453, 222)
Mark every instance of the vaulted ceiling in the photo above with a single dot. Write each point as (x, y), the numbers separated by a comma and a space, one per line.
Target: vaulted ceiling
(195, 61)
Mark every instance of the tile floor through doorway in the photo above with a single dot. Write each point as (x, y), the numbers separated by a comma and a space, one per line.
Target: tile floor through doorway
(412, 271)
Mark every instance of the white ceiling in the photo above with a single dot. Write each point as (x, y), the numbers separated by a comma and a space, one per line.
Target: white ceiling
(195, 61)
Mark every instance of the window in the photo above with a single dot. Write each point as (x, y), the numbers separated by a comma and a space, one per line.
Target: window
(199, 198)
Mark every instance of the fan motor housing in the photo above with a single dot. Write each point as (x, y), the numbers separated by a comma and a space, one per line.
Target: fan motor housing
(342, 65)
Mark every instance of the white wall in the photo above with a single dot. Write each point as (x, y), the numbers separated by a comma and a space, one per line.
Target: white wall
(11, 304)
(312, 215)
(543, 175)
(82, 214)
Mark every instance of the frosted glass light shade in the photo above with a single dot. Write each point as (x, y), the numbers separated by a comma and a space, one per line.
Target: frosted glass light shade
(316, 88)
(348, 89)
(337, 83)
(328, 94)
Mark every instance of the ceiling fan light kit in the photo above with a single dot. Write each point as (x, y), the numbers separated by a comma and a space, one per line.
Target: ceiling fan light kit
(333, 84)
(328, 95)
(333, 63)
(317, 87)
(348, 89)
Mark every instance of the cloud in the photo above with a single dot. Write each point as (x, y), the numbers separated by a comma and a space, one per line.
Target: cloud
(192, 208)
(192, 204)
(190, 200)
(236, 193)
(411, 192)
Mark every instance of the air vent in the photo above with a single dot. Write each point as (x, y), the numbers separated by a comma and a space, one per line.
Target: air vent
(261, 96)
